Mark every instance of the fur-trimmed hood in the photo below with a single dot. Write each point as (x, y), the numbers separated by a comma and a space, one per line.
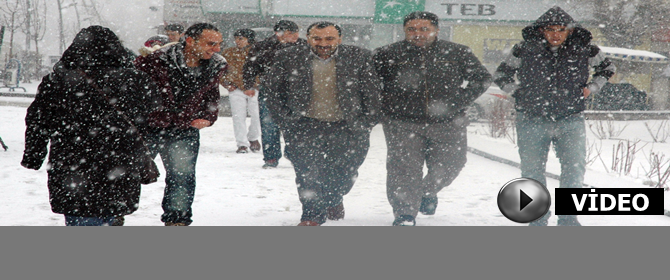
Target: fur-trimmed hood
(557, 16)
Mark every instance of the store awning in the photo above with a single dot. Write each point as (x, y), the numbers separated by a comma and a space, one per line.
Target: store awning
(633, 55)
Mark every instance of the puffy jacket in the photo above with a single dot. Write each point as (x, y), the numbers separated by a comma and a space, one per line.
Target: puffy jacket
(551, 81)
(428, 85)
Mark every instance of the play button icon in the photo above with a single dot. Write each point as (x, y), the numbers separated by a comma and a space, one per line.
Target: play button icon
(523, 200)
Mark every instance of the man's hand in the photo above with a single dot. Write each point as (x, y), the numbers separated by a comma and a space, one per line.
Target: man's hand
(200, 123)
(587, 92)
(250, 92)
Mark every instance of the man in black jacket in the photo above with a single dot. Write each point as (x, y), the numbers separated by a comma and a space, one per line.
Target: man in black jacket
(428, 85)
(552, 68)
(259, 59)
(325, 98)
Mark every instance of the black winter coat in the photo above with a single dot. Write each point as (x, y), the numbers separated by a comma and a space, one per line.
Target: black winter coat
(551, 82)
(93, 151)
(427, 85)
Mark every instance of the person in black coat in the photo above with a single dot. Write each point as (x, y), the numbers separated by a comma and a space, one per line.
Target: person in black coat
(91, 112)
(428, 85)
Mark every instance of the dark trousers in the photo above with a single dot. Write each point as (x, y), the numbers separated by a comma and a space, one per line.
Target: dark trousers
(179, 151)
(442, 147)
(270, 133)
(88, 221)
(326, 157)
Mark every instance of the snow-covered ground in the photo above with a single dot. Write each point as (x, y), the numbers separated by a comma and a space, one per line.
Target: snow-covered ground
(233, 189)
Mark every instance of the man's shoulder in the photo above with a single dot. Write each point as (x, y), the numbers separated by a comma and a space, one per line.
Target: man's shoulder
(393, 47)
(448, 45)
(293, 51)
(218, 61)
(266, 44)
(527, 47)
(155, 59)
(351, 49)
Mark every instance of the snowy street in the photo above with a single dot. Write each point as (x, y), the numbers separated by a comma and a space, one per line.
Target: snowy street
(233, 189)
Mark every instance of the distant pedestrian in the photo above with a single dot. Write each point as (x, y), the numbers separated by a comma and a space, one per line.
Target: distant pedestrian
(174, 32)
(188, 75)
(242, 104)
(428, 86)
(92, 112)
(259, 60)
(548, 76)
(325, 99)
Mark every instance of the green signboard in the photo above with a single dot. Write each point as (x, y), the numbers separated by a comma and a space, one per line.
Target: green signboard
(393, 11)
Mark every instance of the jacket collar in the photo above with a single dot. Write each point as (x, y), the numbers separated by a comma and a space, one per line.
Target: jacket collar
(174, 57)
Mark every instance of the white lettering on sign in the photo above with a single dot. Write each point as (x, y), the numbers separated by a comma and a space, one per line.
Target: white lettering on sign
(609, 202)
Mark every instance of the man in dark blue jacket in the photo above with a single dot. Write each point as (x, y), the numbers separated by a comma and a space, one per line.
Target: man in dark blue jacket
(552, 67)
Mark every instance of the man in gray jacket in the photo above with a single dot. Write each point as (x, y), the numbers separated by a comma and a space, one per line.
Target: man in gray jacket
(428, 85)
(325, 99)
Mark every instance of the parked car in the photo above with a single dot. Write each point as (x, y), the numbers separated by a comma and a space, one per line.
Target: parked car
(618, 97)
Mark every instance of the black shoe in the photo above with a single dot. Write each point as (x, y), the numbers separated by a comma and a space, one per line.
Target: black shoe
(118, 221)
(568, 221)
(404, 220)
(428, 205)
(272, 163)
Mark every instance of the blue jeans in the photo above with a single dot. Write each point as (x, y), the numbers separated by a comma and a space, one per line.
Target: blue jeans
(535, 135)
(179, 151)
(88, 221)
(270, 133)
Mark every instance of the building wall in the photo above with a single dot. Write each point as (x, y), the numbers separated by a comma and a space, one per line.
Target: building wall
(489, 27)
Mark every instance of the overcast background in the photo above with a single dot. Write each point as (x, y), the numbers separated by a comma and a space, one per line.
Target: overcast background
(132, 20)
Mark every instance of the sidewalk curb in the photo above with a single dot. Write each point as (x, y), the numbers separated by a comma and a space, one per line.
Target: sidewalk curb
(224, 102)
(17, 94)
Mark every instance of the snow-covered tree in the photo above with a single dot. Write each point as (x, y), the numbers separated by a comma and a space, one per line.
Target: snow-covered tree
(12, 18)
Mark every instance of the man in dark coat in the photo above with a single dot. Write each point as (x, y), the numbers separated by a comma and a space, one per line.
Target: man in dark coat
(94, 151)
(428, 85)
(259, 59)
(551, 67)
(188, 75)
(325, 99)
